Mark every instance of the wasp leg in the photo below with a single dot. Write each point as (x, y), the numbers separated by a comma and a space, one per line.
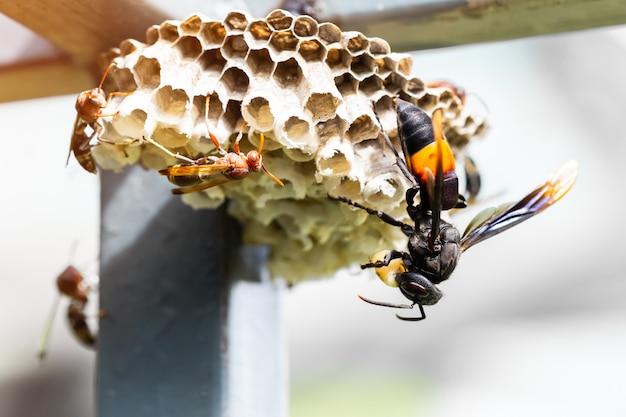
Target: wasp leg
(406, 228)
(390, 256)
(422, 315)
(472, 179)
(399, 160)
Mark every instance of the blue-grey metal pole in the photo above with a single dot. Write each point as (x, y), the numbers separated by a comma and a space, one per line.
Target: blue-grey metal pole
(179, 336)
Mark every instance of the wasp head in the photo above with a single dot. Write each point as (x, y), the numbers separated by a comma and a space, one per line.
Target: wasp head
(255, 162)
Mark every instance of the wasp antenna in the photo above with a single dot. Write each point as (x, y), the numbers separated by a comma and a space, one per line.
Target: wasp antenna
(272, 176)
(106, 71)
(261, 141)
(384, 304)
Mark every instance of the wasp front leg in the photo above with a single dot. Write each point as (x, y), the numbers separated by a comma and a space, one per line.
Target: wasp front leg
(387, 258)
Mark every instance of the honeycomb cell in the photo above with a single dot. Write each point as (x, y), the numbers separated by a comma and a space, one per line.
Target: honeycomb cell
(124, 81)
(282, 42)
(298, 130)
(415, 87)
(212, 61)
(312, 50)
(279, 20)
(355, 42)
(258, 113)
(362, 65)
(394, 83)
(379, 46)
(260, 62)
(363, 127)
(152, 35)
(288, 74)
(260, 30)
(169, 136)
(212, 34)
(371, 86)
(171, 102)
(148, 72)
(323, 105)
(236, 21)
(335, 158)
(305, 26)
(189, 47)
(346, 84)
(236, 82)
(338, 60)
(235, 47)
(329, 33)
(191, 25)
(428, 102)
(168, 31)
(128, 46)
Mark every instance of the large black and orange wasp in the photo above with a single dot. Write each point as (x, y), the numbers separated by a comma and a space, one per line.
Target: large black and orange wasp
(72, 284)
(89, 107)
(435, 246)
(210, 171)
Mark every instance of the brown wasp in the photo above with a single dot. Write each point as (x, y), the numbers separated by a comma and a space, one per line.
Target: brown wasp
(434, 245)
(202, 173)
(89, 106)
(71, 283)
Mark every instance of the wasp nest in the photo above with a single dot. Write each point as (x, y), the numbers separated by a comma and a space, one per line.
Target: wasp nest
(315, 93)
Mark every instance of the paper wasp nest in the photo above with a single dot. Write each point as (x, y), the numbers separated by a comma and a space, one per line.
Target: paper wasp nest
(310, 88)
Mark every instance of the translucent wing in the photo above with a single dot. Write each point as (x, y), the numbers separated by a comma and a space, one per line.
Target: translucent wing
(79, 144)
(201, 186)
(492, 221)
(187, 170)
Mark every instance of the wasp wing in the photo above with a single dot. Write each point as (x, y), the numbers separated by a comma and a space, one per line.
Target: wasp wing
(79, 144)
(492, 221)
(201, 186)
(185, 170)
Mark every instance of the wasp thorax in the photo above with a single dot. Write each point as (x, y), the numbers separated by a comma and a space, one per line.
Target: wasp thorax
(436, 262)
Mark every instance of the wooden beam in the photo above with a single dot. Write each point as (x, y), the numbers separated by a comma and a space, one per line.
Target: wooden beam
(85, 28)
(48, 78)
(433, 24)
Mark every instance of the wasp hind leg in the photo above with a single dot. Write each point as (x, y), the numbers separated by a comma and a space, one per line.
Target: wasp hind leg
(387, 218)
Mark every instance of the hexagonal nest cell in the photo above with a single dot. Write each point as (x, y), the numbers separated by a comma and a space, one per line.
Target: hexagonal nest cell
(316, 94)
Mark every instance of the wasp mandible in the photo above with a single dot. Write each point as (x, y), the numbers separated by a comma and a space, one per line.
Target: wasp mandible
(434, 245)
(89, 106)
(201, 174)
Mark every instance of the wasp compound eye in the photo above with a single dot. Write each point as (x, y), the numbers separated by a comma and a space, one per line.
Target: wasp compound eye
(419, 289)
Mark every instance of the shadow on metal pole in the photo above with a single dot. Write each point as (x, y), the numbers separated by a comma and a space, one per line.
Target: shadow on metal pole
(169, 344)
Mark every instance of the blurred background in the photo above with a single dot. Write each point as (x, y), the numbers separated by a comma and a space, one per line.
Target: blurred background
(533, 321)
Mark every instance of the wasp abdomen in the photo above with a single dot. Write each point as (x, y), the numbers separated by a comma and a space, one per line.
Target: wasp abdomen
(419, 135)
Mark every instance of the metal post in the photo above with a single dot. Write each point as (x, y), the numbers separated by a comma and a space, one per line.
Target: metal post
(169, 344)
